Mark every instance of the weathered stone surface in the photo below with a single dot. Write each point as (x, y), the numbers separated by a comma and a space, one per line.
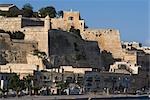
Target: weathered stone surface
(69, 49)
(108, 39)
(14, 51)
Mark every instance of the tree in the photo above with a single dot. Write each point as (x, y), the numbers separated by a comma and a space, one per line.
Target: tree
(14, 35)
(3, 60)
(61, 86)
(27, 10)
(14, 83)
(107, 59)
(11, 13)
(75, 31)
(60, 13)
(28, 83)
(47, 11)
(17, 35)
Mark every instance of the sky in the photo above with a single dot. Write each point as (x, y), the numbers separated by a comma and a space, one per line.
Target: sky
(130, 17)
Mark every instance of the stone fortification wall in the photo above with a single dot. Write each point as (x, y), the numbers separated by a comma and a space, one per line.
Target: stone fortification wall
(21, 69)
(38, 34)
(37, 29)
(67, 48)
(14, 51)
(16, 23)
(4, 41)
(35, 60)
(69, 19)
(108, 39)
(130, 56)
(32, 22)
(57, 23)
(10, 23)
(65, 24)
(27, 46)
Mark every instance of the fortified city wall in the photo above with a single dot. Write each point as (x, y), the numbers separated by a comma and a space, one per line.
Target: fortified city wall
(11, 23)
(69, 19)
(35, 29)
(108, 39)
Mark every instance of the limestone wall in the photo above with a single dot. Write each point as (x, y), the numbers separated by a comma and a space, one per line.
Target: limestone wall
(130, 56)
(74, 70)
(67, 48)
(21, 69)
(22, 45)
(4, 41)
(14, 51)
(38, 34)
(32, 22)
(31, 59)
(108, 39)
(10, 23)
(69, 19)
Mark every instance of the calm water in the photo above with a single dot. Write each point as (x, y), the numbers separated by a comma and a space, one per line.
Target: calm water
(123, 98)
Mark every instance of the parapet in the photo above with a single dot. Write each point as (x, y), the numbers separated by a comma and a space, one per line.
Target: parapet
(101, 31)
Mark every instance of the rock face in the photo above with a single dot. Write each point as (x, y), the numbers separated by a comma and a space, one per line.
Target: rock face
(67, 48)
(14, 51)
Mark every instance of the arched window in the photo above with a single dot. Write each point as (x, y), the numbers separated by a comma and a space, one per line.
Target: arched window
(70, 18)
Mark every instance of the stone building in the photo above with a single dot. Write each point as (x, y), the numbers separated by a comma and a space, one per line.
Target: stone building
(51, 77)
(37, 29)
(107, 82)
(69, 18)
(4, 78)
(124, 67)
(140, 56)
(8, 7)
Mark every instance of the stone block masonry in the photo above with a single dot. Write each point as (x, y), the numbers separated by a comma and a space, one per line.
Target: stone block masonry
(108, 39)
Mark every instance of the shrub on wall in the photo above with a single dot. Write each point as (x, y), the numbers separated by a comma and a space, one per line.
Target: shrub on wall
(10, 13)
(75, 31)
(14, 35)
(17, 35)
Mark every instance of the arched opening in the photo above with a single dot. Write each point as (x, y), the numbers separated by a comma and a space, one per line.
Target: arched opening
(70, 18)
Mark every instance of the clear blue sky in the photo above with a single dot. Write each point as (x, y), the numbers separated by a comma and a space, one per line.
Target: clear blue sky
(131, 17)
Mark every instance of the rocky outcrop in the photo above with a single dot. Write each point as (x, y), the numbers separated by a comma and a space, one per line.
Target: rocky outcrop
(14, 51)
(67, 48)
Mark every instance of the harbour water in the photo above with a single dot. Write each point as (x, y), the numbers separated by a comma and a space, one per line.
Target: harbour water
(81, 97)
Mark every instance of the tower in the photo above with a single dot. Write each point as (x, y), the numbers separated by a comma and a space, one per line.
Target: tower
(47, 23)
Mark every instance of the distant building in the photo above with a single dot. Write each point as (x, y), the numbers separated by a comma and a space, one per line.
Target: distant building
(4, 78)
(136, 54)
(131, 45)
(49, 78)
(8, 7)
(107, 82)
(124, 67)
(20, 69)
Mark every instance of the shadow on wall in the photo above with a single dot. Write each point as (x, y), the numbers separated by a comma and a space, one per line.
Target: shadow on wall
(107, 59)
(67, 48)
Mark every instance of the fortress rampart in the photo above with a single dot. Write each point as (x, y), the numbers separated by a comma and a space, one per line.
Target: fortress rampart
(10, 24)
(108, 39)
(37, 29)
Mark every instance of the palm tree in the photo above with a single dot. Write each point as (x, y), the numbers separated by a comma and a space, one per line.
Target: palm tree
(28, 83)
(15, 83)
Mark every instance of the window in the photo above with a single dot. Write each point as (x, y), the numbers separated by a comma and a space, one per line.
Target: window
(70, 18)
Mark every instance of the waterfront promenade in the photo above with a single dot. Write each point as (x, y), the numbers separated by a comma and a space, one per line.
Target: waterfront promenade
(81, 97)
